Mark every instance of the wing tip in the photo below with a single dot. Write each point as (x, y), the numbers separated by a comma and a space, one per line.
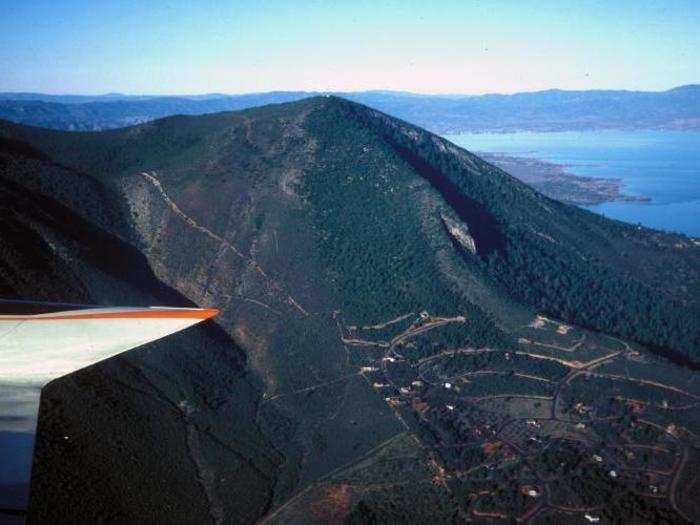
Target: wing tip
(208, 313)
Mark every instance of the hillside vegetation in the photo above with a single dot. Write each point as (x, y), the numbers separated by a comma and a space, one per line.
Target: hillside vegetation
(578, 266)
(361, 265)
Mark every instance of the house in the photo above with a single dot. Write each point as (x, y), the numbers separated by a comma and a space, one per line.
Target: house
(531, 491)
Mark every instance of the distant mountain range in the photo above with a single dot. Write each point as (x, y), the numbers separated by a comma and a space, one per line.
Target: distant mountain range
(407, 333)
(552, 110)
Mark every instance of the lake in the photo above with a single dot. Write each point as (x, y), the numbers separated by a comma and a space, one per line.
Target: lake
(662, 165)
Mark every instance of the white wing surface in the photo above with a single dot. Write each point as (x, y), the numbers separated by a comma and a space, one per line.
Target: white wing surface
(40, 342)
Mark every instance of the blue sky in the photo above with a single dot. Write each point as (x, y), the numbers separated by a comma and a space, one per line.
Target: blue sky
(466, 46)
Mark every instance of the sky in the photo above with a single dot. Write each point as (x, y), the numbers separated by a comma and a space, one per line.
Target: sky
(238, 46)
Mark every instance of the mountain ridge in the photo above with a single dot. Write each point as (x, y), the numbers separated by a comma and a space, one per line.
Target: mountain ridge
(32, 95)
(548, 110)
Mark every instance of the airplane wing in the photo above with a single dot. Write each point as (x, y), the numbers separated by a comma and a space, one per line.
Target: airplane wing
(40, 342)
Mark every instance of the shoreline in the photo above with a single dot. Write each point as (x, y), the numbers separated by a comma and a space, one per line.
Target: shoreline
(555, 182)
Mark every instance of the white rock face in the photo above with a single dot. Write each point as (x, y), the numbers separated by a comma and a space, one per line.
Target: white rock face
(460, 233)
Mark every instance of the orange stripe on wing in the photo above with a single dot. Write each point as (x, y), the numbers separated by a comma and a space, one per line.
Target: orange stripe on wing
(195, 313)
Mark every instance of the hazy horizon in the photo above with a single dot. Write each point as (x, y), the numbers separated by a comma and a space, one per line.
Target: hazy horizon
(202, 47)
(291, 90)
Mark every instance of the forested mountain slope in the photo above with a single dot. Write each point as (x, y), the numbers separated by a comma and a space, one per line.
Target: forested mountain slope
(362, 264)
(619, 278)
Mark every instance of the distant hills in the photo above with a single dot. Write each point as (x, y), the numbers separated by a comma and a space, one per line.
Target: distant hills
(407, 333)
(551, 110)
